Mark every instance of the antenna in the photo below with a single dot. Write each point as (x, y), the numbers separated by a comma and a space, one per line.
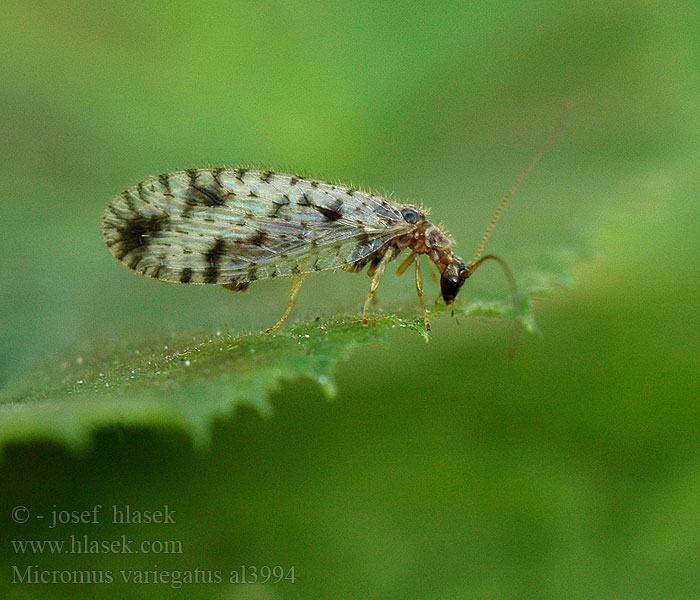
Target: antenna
(516, 184)
(513, 294)
(478, 260)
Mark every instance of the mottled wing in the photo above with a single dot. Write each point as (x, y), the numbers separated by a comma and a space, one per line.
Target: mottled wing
(235, 226)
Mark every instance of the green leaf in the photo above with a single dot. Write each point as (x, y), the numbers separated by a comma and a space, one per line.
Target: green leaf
(186, 382)
(179, 381)
(523, 312)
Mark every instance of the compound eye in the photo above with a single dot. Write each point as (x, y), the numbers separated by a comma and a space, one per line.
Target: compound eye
(410, 215)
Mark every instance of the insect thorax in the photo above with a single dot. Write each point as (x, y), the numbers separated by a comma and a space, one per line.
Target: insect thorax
(429, 239)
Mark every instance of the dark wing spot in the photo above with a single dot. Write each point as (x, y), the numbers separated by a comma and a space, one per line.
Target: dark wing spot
(213, 257)
(141, 192)
(329, 213)
(293, 180)
(216, 174)
(134, 260)
(332, 213)
(128, 198)
(165, 184)
(208, 194)
(240, 173)
(114, 211)
(137, 232)
(266, 176)
(257, 239)
(185, 275)
(211, 275)
(215, 253)
(279, 205)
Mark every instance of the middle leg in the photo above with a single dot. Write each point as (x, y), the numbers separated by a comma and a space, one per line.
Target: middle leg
(419, 291)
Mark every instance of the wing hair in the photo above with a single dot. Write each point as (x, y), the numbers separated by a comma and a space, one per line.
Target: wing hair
(235, 225)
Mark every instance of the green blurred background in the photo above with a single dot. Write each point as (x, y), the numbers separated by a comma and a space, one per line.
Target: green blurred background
(441, 470)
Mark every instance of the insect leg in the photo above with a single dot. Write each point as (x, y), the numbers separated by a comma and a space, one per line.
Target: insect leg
(403, 267)
(435, 273)
(435, 276)
(294, 288)
(375, 282)
(419, 290)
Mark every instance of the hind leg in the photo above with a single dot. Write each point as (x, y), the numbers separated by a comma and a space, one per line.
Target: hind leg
(294, 288)
(378, 273)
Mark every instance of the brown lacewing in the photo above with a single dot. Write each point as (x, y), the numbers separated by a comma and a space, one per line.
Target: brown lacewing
(234, 226)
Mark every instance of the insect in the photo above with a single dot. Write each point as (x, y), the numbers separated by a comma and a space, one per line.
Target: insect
(234, 226)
